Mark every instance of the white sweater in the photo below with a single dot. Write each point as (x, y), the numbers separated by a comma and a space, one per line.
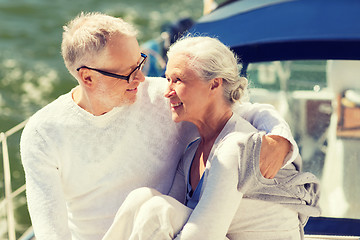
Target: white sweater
(79, 167)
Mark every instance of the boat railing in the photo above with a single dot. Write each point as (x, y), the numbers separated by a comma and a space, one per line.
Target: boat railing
(9, 194)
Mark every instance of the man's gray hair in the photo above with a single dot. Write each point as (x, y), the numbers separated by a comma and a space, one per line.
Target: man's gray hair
(86, 36)
(211, 59)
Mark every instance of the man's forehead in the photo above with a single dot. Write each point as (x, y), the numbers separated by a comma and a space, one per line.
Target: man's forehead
(124, 52)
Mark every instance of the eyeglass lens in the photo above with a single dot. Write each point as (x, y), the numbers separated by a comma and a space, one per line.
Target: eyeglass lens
(136, 70)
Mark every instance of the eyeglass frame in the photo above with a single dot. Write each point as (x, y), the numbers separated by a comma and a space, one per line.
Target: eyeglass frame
(114, 75)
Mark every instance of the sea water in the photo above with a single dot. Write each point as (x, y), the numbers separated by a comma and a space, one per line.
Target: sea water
(32, 72)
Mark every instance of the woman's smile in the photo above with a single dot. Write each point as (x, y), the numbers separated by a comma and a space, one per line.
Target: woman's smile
(176, 105)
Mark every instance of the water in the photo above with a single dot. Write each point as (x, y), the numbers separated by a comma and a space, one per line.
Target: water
(32, 72)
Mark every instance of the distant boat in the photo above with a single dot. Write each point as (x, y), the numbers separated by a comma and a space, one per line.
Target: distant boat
(269, 30)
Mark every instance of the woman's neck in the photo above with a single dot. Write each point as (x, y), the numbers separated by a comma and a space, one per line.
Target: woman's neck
(213, 122)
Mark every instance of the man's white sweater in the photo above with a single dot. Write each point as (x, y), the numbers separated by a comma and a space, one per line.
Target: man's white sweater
(79, 167)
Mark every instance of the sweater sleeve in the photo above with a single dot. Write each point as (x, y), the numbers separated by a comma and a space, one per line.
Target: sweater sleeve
(264, 117)
(220, 199)
(45, 197)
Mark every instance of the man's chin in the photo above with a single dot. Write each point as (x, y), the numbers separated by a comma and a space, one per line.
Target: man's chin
(128, 101)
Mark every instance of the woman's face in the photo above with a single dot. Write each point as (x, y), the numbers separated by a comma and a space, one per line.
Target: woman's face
(188, 93)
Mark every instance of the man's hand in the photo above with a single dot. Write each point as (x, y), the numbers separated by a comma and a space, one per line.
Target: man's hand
(272, 154)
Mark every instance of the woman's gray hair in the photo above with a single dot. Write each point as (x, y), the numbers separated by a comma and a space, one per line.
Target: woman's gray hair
(211, 59)
(87, 35)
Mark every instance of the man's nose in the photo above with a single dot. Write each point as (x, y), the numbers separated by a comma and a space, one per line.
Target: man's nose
(169, 91)
(139, 76)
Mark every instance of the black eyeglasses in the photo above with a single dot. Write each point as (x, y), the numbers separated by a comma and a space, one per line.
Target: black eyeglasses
(114, 75)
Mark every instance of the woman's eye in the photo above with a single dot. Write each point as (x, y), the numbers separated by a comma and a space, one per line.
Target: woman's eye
(175, 80)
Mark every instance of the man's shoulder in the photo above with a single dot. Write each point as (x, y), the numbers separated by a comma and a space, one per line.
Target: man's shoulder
(53, 110)
(155, 83)
(152, 90)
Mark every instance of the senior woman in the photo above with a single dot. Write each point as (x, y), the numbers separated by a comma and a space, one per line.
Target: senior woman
(218, 192)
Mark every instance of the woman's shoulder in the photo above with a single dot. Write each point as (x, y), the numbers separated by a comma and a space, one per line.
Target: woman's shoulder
(237, 131)
(236, 142)
(239, 125)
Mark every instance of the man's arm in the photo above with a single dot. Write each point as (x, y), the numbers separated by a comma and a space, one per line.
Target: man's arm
(273, 151)
(43, 188)
(279, 147)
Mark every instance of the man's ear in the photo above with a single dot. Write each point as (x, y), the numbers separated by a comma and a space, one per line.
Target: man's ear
(86, 77)
(216, 83)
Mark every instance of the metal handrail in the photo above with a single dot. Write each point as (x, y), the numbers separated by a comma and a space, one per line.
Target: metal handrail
(9, 194)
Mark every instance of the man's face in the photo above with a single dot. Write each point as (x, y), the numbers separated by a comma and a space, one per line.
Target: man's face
(121, 56)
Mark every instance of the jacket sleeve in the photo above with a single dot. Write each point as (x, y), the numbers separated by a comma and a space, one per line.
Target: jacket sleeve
(219, 201)
(44, 193)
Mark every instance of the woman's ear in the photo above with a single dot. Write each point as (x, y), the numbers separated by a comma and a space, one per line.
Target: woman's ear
(216, 83)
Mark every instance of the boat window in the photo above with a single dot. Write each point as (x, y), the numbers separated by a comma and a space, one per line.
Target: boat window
(321, 102)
